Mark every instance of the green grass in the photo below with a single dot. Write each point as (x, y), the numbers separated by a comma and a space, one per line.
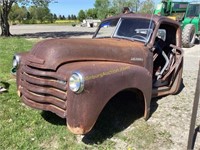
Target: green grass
(24, 128)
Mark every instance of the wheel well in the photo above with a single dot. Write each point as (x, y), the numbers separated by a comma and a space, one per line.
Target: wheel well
(133, 96)
(121, 111)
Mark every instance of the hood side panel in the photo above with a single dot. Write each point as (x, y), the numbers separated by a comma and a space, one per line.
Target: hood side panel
(58, 51)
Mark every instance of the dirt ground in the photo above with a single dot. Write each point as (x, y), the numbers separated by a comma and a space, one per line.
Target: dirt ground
(173, 113)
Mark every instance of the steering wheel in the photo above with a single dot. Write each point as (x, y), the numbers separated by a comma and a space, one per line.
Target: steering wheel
(139, 36)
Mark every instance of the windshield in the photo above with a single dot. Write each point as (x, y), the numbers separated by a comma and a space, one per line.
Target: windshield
(193, 10)
(127, 28)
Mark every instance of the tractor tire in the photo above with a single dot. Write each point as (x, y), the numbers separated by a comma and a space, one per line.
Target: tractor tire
(188, 36)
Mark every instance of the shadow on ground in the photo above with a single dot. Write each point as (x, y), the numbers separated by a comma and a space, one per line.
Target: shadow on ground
(53, 118)
(6, 85)
(154, 104)
(54, 34)
(182, 86)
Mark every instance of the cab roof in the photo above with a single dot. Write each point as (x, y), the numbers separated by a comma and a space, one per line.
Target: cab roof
(155, 18)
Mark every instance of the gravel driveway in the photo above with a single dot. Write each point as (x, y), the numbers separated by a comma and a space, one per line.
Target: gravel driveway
(173, 113)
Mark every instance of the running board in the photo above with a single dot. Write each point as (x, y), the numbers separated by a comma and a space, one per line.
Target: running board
(160, 91)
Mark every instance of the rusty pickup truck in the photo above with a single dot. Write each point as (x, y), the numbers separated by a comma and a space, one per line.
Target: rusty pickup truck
(76, 78)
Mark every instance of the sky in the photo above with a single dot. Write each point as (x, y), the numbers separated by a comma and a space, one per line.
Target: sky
(68, 7)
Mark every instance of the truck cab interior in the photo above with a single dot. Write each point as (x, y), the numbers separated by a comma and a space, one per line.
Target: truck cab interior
(163, 55)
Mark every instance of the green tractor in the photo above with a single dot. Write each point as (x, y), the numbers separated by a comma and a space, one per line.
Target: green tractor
(191, 24)
(188, 14)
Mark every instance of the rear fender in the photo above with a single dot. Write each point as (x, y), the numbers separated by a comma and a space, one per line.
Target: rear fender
(195, 21)
(103, 80)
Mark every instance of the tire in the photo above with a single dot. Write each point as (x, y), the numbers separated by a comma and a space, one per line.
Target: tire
(188, 36)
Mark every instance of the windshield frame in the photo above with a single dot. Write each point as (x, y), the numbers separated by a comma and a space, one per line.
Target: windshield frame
(114, 34)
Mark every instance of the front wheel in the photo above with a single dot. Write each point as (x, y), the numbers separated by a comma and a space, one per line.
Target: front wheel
(188, 36)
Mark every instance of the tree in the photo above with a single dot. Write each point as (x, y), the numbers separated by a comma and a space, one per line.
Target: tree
(113, 11)
(5, 9)
(23, 14)
(147, 7)
(63, 17)
(69, 17)
(102, 7)
(55, 17)
(18, 13)
(73, 17)
(60, 17)
(81, 15)
(91, 13)
(42, 13)
(33, 14)
(50, 18)
(28, 15)
(14, 13)
(119, 4)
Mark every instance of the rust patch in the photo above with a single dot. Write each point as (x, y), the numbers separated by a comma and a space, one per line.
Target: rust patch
(19, 92)
(77, 130)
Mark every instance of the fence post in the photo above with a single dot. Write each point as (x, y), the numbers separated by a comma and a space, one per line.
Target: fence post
(193, 132)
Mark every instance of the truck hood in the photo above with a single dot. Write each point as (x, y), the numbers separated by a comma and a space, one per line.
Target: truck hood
(52, 53)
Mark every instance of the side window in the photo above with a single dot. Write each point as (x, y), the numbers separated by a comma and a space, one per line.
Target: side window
(161, 34)
(170, 33)
(166, 35)
(160, 41)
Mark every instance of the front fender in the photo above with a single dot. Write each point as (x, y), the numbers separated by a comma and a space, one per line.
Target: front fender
(103, 80)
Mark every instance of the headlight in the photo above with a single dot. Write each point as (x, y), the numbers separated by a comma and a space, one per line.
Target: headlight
(76, 82)
(15, 65)
(16, 60)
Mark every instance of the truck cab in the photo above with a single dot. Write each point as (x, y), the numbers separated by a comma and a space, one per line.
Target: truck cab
(76, 78)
